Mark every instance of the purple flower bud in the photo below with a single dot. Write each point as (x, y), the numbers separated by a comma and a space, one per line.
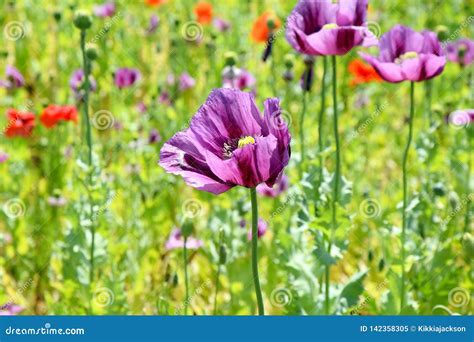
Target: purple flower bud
(105, 10)
(153, 25)
(126, 77)
(186, 82)
(154, 136)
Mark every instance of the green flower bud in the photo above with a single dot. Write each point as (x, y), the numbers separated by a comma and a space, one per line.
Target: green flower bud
(230, 58)
(439, 189)
(442, 32)
(468, 245)
(82, 20)
(271, 23)
(289, 61)
(187, 228)
(91, 52)
(57, 15)
(222, 255)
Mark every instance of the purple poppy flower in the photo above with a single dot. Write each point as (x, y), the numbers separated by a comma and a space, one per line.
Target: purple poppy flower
(105, 10)
(10, 309)
(461, 118)
(154, 136)
(14, 78)
(407, 55)
(3, 157)
(240, 79)
(229, 143)
(76, 83)
(221, 24)
(126, 77)
(461, 51)
(141, 107)
(325, 28)
(186, 81)
(280, 186)
(153, 25)
(176, 240)
(262, 227)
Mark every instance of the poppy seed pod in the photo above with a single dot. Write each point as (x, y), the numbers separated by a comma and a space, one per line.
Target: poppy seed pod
(82, 20)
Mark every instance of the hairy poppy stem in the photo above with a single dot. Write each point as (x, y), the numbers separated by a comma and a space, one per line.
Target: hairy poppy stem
(302, 116)
(256, 280)
(321, 119)
(337, 176)
(467, 218)
(405, 190)
(186, 285)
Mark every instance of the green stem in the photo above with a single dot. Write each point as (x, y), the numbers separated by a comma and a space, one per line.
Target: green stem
(186, 285)
(467, 218)
(86, 67)
(321, 120)
(337, 176)
(405, 192)
(256, 280)
(302, 116)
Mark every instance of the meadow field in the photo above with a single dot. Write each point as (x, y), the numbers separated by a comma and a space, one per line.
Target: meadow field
(168, 157)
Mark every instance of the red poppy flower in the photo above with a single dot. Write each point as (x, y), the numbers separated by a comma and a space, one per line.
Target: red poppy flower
(155, 2)
(261, 29)
(203, 11)
(53, 114)
(19, 123)
(362, 73)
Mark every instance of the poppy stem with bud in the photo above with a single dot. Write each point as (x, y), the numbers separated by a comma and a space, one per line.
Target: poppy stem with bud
(321, 119)
(256, 280)
(405, 191)
(186, 284)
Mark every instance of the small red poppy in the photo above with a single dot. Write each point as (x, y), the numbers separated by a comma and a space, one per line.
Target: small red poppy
(261, 29)
(53, 114)
(19, 123)
(203, 11)
(362, 73)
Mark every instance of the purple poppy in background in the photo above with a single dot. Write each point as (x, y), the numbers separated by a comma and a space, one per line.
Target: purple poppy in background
(176, 240)
(407, 55)
(154, 136)
(3, 157)
(262, 227)
(325, 28)
(165, 98)
(186, 81)
(126, 77)
(461, 117)
(280, 186)
(142, 107)
(10, 309)
(14, 78)
(221, 24)
(76, 83)
(461, 51)
(229, 143)
(153, 25)
(105, 10)
(241, 79)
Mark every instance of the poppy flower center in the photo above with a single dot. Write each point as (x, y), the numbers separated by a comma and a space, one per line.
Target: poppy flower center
(245, 141)
(329, 26)
(406, 56)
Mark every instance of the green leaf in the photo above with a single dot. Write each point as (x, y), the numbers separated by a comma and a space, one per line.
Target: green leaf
(353, 289)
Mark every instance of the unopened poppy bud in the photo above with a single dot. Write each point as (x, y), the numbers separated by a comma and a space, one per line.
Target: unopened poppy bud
(187, 228)
(289, 61)
(438, 189)
(462, 49)
(57, 15)
(308, 60)
(82, 20)
(91, 52)
(175, 280)
(442, 32)
(222, 255)
(271, 23)
(381, 264)
(288, 75)
(230, 58)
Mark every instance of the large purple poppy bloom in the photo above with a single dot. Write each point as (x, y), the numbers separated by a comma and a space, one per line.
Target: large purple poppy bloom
(321, 27)
(461, 51)
(125, 77)
(229, 143)
(407, 55)
(10, 309)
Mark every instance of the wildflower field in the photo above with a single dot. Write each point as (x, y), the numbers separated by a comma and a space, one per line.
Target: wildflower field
(168, 157)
